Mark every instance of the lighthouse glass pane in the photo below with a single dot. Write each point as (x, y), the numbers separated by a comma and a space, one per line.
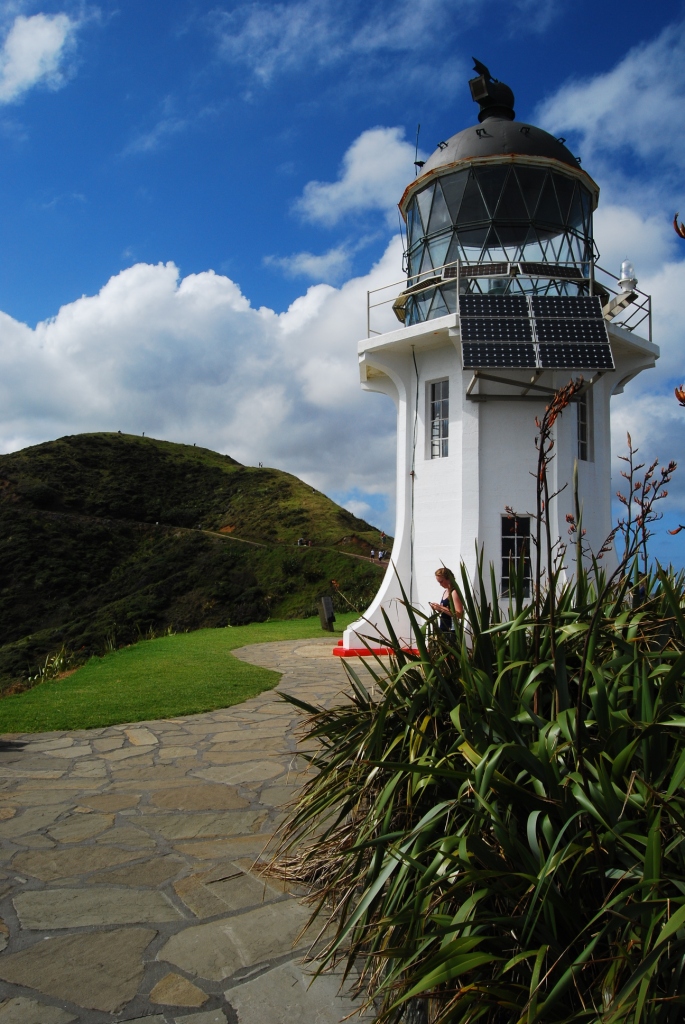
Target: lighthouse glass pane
(453, 186)
(438, 247)
(414, 230)
(424, 200)
(439, 419)
(491, 181)
(515, 554)
(440, 215)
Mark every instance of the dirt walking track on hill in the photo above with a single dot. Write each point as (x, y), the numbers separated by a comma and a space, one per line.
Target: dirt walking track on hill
(127, 885)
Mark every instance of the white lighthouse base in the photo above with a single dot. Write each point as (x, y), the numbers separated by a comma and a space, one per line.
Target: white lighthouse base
(449, 508)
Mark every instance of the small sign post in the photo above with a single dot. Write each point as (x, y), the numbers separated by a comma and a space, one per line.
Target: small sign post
(326, 613)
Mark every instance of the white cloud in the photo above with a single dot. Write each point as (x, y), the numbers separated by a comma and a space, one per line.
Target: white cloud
(375, 170)
(646, 238)
(330, 266)
(274, 38)
(629, 125)
(151, 140)
(361, 509)
(637, 106)
(189, 359)
(34, 52)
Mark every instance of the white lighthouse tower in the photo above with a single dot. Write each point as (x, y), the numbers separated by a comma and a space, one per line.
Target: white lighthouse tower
(503, 303)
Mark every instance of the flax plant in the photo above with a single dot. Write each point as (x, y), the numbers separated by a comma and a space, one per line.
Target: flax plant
(494, 828)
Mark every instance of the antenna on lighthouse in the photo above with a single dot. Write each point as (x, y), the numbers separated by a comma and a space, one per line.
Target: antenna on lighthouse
(418, 164)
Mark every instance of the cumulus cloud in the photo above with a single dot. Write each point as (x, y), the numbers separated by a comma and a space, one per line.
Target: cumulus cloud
(189, 359)
(34, 51)
(375, 171)
(629, 126)
(329, 266)
(638, 106)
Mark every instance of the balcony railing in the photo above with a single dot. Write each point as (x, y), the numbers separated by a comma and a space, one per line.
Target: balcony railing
(627, 309)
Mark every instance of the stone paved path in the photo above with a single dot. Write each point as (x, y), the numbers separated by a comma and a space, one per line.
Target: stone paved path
(127, 888)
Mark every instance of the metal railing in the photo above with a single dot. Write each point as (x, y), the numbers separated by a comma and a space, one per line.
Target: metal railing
(628, 310)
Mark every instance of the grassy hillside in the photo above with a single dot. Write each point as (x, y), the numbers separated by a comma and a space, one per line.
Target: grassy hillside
(107, 537)
(184, 674)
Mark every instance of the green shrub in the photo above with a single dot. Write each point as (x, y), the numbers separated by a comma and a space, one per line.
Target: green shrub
(495, 827)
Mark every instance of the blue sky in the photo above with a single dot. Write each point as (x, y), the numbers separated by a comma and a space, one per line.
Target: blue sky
(195, 197)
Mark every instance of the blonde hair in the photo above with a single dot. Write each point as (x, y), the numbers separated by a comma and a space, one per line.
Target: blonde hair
(446, 574)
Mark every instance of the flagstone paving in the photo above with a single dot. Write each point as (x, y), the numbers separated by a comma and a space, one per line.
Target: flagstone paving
(130, 887)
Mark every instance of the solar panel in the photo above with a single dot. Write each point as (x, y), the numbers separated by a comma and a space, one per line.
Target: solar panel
(576, 357)
(552, 270)
(478, 270)
(589, 331)
(493, 355)
(562, 331)
(493, 305)
(570, 307)
(489, 329)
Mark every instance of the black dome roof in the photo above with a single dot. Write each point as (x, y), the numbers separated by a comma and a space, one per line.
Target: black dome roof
(496, 137)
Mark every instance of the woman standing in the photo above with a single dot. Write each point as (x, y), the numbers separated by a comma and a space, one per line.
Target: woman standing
(450, 606)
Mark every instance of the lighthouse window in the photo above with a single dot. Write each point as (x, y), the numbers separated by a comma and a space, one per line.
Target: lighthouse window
(584, 421)
(515, 553)
(439, 419)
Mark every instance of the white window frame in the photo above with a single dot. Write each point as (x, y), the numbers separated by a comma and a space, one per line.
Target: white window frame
(507, 563)
(438, 447)
(585, 438)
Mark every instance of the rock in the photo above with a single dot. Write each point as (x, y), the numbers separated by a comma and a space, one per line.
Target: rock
(112, 801)
(28, 1011)
(236, 846)
(284, 995)
(110, 967)
(30, 796)
(151, 873)
(128, 836)
(173, 753)
(55, 863)
(254, 771)
(77, 750)
(51, 744)
(190, 826)
(4, 938)
(31, 821)
(91, 770)
(78, 827)
(200, 797)
(156, 1018)
(217, 950)
(214, 892)
(206, 1017)
(277, 796)
(124, 753)
(45, 909)
(108, 743)
(36, 842)
(173, 990)
(141, 737)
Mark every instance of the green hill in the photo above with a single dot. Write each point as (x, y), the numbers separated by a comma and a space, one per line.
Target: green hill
(105, 538)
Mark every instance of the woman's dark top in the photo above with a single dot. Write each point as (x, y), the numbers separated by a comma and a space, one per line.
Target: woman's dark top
(446, 623)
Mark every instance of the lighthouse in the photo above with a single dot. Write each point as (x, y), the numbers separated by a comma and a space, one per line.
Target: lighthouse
(503, 302)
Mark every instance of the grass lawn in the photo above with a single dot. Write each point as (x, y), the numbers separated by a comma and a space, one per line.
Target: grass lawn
(183, 674)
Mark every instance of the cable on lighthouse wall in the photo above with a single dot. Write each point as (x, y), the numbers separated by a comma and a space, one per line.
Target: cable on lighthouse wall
(413, 482)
